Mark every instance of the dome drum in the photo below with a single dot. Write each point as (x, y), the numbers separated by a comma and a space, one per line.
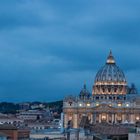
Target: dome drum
(110, 83)
(109, 89)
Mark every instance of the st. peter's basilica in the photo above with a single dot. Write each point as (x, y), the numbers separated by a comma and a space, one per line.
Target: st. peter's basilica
(112, 100)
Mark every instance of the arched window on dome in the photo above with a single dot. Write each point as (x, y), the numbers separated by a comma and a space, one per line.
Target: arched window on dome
(109, 88)
(115, 89)
(120, 88)
(103, 89)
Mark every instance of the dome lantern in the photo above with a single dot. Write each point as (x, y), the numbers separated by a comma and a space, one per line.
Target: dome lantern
(110, 58)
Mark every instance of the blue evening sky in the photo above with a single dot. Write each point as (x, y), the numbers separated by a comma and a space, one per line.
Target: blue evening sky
(48, 48)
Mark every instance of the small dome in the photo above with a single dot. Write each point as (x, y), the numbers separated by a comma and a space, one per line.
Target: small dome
(84, 92)
(132, 89)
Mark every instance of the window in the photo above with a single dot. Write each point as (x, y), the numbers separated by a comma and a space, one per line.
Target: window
(119, 104)
(88, 104)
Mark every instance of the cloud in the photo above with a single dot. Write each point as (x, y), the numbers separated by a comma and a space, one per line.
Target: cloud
(49, 48)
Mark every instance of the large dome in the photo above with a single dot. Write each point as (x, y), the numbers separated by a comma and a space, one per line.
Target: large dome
(110, 79)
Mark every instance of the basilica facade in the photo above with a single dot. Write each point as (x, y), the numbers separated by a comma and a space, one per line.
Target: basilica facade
(112, 100)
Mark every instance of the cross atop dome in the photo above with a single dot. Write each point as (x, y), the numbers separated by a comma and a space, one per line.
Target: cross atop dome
(110, 58)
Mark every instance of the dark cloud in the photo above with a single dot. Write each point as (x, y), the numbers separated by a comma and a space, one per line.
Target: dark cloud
(49, 48)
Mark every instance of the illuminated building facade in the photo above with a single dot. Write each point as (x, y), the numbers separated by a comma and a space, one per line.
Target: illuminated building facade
(112, 100)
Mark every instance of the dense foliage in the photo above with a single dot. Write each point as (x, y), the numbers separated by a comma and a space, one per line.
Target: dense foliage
(58, 105)
(8, 108)
(12, 108)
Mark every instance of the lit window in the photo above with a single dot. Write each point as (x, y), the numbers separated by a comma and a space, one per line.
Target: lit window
(80, 104)
(127, 105)
(88, 104)
(70, 117)
(119, 104)
(137, 118)
(97, 104)
(110, 104)
(103, 117)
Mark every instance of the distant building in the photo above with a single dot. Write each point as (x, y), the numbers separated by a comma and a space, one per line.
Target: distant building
(112, 101)
(56, 123)
(37, 106)
(3, 136)
(135, 135)
(24, 106)
(10, 132)
(10, 120)
(36, 125)
(33, 115)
